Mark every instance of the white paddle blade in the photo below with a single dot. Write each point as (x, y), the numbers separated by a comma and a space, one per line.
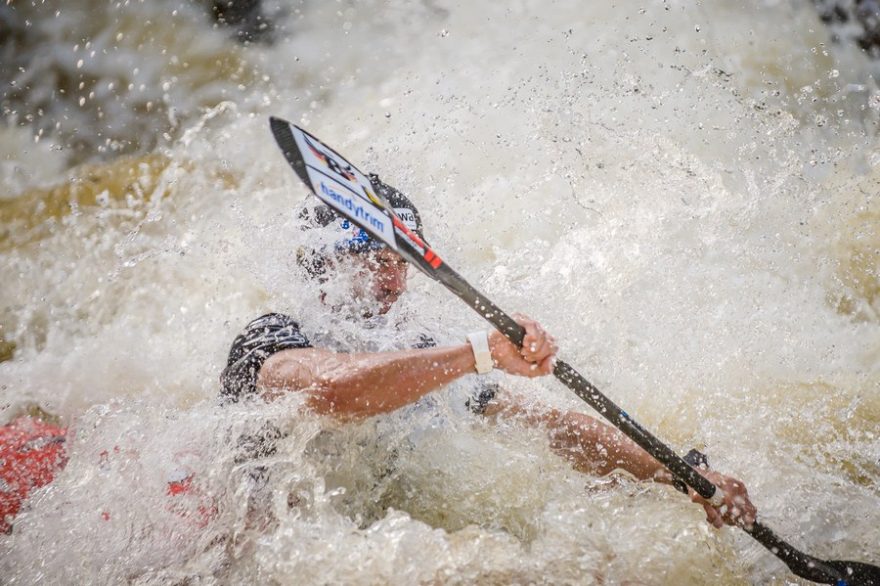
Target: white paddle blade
(334, 180)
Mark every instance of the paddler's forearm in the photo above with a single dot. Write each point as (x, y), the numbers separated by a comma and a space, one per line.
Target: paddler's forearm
(367, 384)
(360, 385)
(595, 447)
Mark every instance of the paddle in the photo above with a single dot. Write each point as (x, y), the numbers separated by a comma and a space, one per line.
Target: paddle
(343, 187)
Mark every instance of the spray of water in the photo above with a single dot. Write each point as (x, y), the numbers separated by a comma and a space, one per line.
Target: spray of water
(683, 194)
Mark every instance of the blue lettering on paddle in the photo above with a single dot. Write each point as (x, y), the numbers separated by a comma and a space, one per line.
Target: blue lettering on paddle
(357, 210)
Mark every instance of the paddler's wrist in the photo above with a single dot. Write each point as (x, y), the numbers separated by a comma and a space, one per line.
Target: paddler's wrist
(461, 360)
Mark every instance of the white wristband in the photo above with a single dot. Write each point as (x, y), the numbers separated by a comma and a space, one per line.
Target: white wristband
(479, 342)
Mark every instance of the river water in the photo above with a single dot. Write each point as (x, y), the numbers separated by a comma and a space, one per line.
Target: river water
(684, 193)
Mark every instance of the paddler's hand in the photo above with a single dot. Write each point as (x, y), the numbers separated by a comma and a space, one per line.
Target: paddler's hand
(537, 356)
(737, 509)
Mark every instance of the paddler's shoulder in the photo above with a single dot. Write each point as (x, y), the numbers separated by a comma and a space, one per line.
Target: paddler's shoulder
(265, 332)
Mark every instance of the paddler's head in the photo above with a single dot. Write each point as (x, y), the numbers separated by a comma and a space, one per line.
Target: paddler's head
(380, 273)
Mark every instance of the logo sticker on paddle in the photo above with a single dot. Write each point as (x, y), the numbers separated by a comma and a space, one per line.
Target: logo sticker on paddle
(334, 180)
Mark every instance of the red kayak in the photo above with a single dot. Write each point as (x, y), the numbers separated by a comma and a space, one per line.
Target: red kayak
(31, 453)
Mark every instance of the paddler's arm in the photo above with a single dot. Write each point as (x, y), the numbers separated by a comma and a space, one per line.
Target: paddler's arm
(590, 445)
(594, 447)
(360, 385)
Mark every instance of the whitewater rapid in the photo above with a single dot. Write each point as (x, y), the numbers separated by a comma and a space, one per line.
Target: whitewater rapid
(684, 194)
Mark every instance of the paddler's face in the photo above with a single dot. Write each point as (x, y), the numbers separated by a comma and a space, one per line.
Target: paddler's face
(382, 278)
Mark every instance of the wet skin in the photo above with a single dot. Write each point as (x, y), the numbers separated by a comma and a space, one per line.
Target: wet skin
(381, 278)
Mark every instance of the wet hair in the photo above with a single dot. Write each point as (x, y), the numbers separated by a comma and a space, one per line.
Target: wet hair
(321, 216)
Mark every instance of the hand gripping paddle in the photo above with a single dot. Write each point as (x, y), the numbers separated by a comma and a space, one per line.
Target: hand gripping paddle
(338, 183)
